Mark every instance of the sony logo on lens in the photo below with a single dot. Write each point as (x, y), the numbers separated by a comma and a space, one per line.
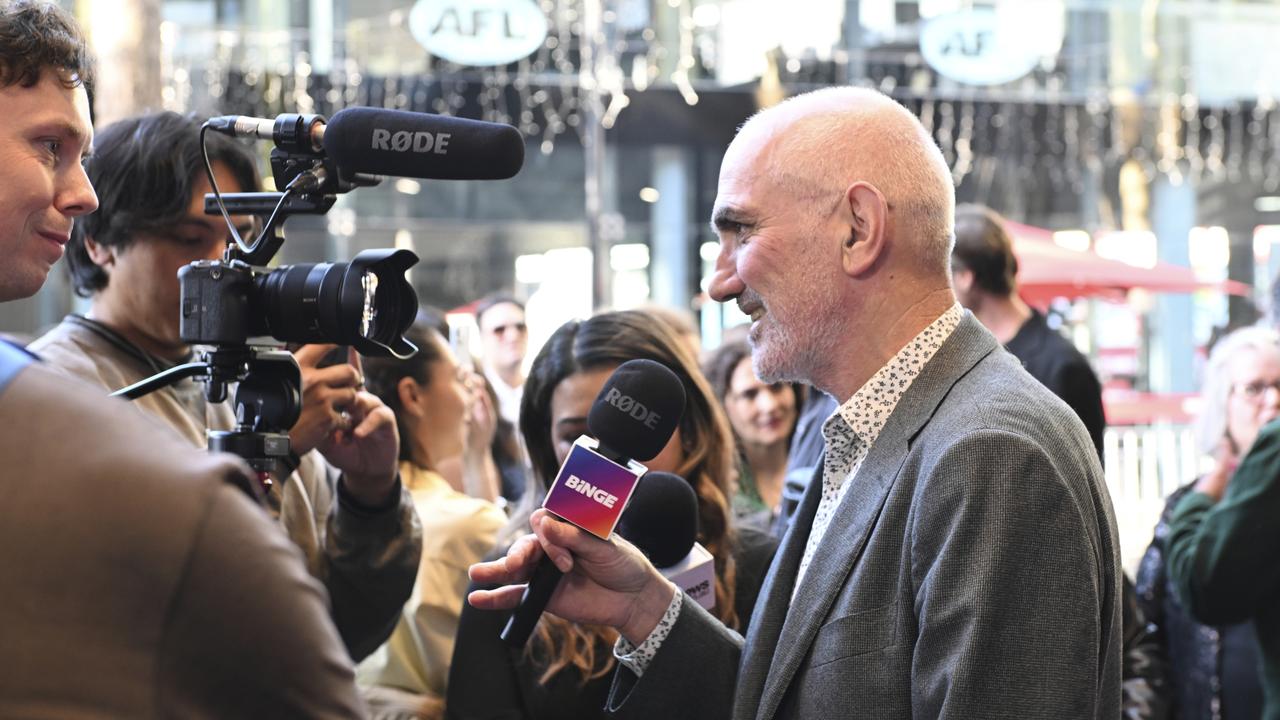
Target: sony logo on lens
(405, 141)
(628, 405)
(594, 492)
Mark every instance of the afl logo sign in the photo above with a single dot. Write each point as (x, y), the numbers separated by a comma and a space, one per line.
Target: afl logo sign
(981, 46)
(479, 32)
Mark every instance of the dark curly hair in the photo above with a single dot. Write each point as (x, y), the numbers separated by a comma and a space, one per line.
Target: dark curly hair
(35, 36)
(145, 169)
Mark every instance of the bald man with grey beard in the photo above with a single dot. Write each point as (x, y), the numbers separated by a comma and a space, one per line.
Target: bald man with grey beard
(956, 554)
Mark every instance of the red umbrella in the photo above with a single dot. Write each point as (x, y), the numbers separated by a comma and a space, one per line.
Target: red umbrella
(1047, 270)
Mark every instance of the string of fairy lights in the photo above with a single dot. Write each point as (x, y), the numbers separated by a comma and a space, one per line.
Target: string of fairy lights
(1048, 139)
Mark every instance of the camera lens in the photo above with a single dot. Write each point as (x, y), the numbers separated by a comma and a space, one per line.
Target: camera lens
(366, 303)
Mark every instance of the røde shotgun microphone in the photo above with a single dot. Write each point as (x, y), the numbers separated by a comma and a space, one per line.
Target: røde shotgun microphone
(393, 142)
(662, 521)
(410, 144)
(632, 419)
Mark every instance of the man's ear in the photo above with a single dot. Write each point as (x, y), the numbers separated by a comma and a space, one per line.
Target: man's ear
(867, 229)
(102, 255)
(961, 279)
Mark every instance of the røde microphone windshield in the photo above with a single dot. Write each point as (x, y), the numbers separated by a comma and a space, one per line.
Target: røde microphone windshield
(632, 418)
(632, 428)
(662, 521)
(420, 145)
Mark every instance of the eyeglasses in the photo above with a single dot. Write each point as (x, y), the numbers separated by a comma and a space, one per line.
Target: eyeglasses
(1256, 389)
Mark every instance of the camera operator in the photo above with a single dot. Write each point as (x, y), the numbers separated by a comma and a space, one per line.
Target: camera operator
(140, 581)
(349, 515)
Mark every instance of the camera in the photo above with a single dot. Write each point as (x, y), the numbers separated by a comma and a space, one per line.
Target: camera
(229, 305)
(365, 303)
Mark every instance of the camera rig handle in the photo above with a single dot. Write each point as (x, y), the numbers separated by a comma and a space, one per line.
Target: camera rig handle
(267, 206)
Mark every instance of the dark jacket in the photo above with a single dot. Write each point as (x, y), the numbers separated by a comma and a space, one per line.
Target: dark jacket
(1193, 652)
(1145, 692)
(488, 681)
(1223, 562)
(1056, 363)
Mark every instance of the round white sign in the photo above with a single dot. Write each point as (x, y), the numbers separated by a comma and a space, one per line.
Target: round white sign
(980, 46)
(479, 32)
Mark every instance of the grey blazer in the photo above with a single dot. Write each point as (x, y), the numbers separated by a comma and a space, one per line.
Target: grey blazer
(971, 571)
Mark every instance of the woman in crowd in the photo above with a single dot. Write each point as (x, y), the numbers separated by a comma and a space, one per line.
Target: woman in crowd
(1213, 671)
(478, 469)
(763, 417)
(433, 400)
(566, 669)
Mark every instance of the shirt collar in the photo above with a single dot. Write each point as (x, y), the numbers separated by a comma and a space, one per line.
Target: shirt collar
(865, 414)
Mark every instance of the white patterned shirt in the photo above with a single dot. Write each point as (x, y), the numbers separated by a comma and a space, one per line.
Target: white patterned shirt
(849, 434)
(637, 658)
(853, 428)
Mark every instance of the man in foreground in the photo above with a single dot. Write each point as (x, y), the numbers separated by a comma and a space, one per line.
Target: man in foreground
(141, 578)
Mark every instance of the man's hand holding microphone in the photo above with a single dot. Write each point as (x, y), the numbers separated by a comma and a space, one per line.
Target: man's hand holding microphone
(606, 582)
(592, 575)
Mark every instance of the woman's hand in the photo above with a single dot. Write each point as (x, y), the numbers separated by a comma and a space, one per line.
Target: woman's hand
(1226, 460)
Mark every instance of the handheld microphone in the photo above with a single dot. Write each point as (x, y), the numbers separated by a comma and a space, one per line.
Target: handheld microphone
(632, 418)
(399, 143)
(662, 521)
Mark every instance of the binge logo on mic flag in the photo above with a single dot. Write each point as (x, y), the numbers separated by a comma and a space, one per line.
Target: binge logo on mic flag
(591, 491)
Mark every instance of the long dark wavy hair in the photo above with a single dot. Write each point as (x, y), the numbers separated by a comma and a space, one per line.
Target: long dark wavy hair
(605, 341)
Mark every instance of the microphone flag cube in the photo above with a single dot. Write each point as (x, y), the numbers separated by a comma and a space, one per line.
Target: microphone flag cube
(591, 491)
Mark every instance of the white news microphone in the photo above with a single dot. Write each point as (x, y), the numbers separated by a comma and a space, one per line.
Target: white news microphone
(662, 521)
(695, 575)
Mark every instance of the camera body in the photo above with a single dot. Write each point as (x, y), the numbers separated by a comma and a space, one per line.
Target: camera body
(366, 303)
(220, 303)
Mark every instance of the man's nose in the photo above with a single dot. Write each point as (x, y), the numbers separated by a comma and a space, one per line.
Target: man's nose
(77, 196)
(725, 284)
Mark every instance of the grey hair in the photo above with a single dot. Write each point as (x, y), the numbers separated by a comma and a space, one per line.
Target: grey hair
(1211, 424)
(839, 135)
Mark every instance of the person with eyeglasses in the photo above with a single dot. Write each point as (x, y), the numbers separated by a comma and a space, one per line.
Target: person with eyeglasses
(504, 339)
(1214, 667)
